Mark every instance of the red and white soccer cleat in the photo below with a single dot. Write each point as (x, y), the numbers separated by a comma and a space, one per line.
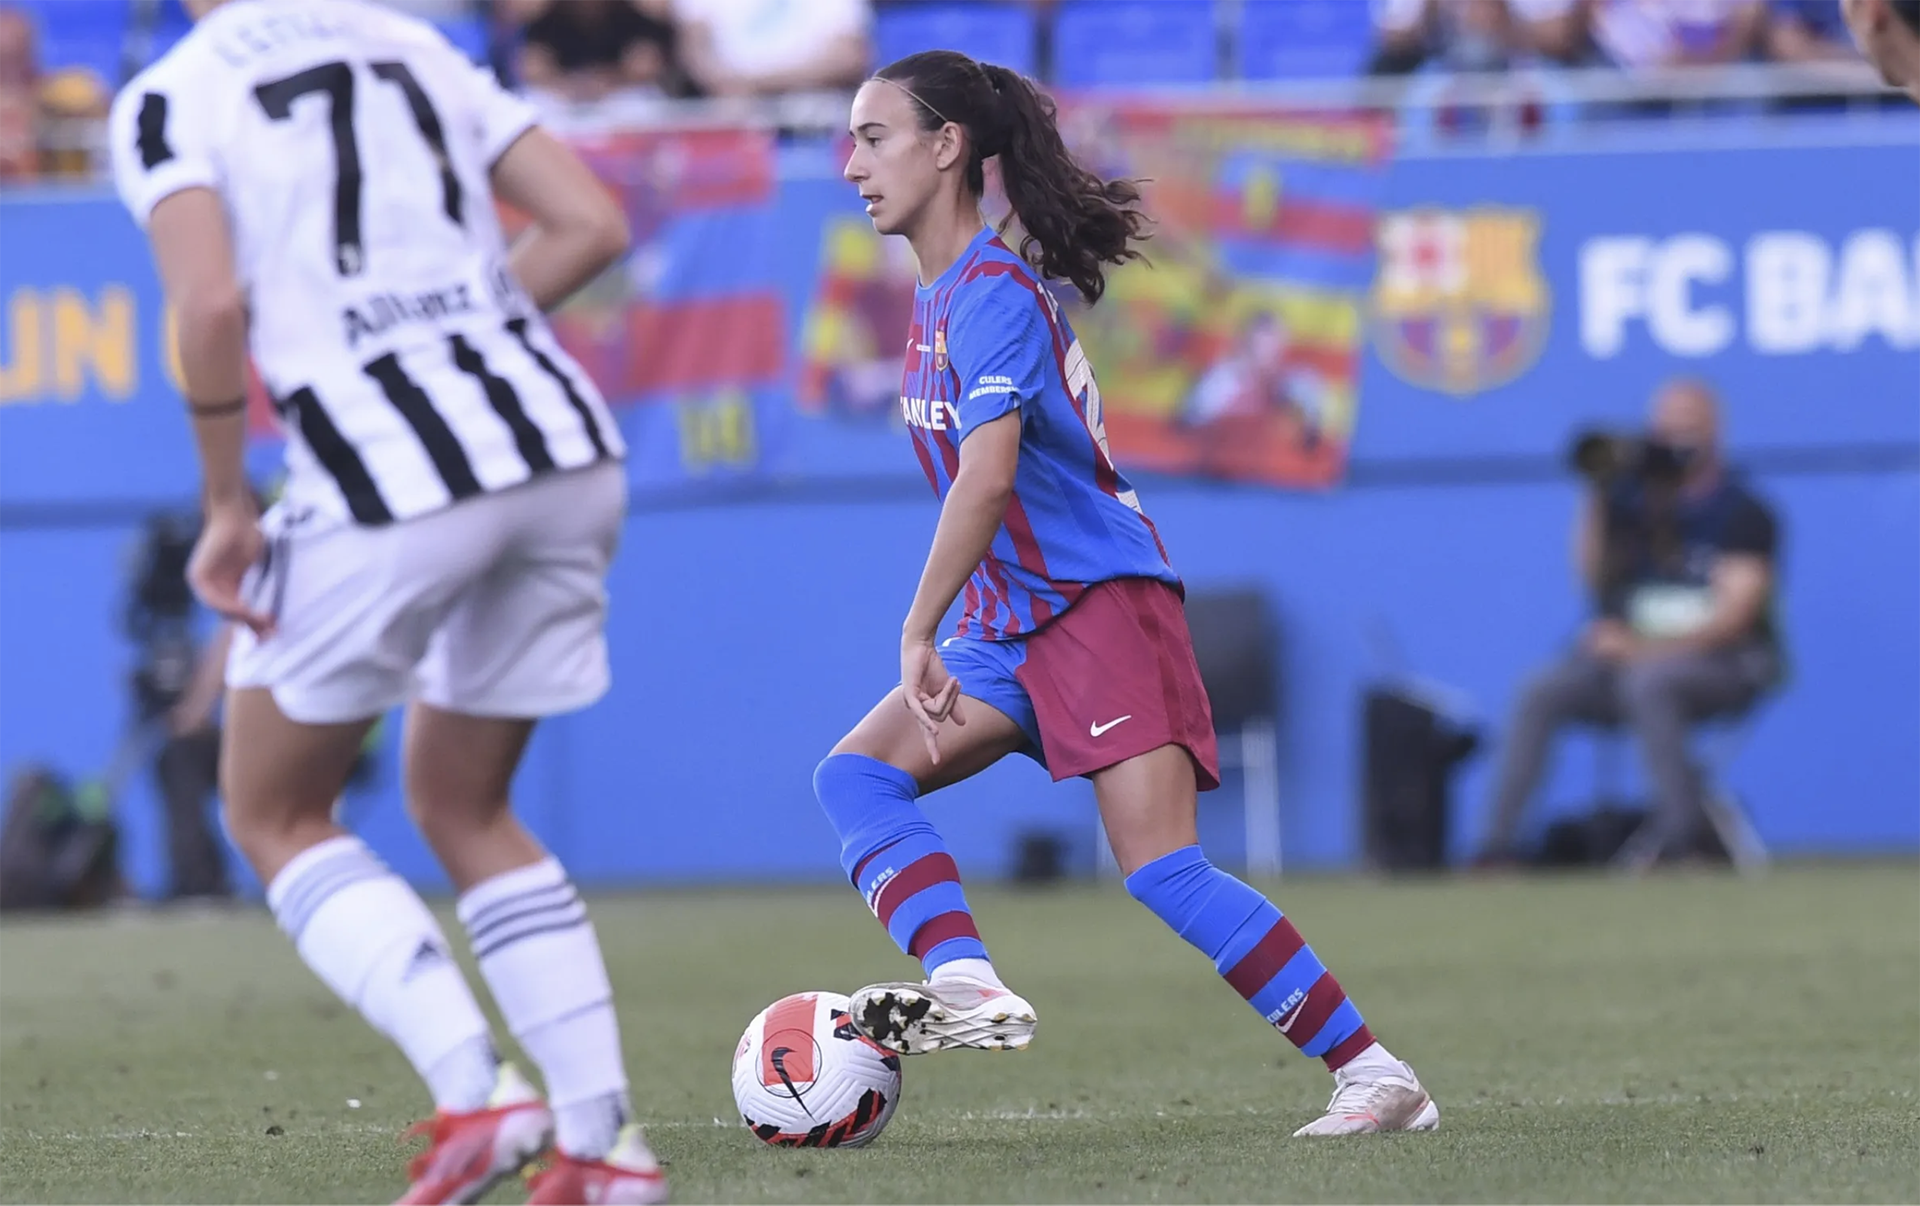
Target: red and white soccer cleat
(914, 1019)
(627, 1176)
(470, 1152)
(1374, 1097)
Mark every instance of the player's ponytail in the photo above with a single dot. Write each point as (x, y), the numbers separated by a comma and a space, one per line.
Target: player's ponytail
(1075, 222)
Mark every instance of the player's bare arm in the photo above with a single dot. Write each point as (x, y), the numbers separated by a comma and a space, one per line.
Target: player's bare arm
(578, 231)
(193, 249)
(974, 509)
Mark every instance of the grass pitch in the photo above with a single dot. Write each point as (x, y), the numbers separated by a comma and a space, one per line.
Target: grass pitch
(1682, 1039)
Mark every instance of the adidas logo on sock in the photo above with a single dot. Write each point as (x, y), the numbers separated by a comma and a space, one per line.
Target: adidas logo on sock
(429, 954)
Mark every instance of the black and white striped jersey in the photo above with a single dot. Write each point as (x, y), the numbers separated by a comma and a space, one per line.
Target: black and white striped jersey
(351, 146)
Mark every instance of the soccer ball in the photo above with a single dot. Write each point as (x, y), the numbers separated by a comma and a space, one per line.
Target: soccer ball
(804, 1077)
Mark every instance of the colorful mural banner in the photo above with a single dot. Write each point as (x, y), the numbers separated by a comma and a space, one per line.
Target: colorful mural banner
(755, 329)
(1232, 352)
(1235, 352)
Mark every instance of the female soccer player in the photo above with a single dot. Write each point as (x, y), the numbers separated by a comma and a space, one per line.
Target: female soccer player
(1073, 646)
(1888, 34)
(317, 178)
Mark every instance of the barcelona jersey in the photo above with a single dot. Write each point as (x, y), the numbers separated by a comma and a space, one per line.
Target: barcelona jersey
(988, 338)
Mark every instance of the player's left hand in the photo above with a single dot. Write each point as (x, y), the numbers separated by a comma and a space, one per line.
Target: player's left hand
(931, 694)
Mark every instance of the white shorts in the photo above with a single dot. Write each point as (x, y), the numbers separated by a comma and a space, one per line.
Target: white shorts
(495, 606)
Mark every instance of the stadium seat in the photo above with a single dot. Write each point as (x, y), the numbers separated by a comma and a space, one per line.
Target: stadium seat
(992, 33)
(1236, 647)
(1304, 39)
(1117, 42)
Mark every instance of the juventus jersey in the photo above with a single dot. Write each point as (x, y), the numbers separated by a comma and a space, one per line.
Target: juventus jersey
(351, 146)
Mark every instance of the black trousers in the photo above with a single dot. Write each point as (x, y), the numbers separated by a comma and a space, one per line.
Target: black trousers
(186, 771)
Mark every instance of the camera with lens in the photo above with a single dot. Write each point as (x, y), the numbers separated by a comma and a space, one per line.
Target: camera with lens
(1607, 456)
(160, 593)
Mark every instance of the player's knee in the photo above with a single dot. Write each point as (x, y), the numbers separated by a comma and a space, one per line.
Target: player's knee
(829, 774)
(1171, 880)
(267, 832)
(840, 778)
(853, 776)
(442, 809)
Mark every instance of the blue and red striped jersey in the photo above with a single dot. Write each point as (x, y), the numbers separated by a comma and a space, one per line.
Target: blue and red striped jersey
(987, 338)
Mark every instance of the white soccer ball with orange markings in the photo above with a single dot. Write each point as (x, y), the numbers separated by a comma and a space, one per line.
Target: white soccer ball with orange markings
(804, 1077)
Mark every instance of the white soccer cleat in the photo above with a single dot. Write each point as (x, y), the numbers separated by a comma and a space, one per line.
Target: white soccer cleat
(1375, 1097)
(914, 1019)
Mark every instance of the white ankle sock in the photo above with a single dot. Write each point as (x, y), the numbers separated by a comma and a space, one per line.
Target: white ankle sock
(979, 971)
(371, 938)
(1375, 1058)
(542, 960)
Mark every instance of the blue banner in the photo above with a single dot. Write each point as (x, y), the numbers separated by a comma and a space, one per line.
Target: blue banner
(1517, 295)
(89, 405)
(1501, 300)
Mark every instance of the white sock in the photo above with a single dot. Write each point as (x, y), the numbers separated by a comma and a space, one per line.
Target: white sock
(542, 960)
(978, 970)
(1374, 1059)
(370, 937)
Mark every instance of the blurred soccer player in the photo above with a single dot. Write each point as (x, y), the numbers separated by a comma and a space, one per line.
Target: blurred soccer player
(1073, 647)
(317, 178)
(1888, 33)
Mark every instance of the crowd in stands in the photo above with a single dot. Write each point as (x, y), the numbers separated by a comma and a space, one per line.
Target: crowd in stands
(587, 48)
(1494, 35)
(40, 98)
(61, 59)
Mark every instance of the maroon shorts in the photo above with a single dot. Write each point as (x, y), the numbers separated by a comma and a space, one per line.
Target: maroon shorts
(1115, 677)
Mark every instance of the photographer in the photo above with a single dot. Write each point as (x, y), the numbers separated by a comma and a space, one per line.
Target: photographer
(176, 690)
(1680, 558)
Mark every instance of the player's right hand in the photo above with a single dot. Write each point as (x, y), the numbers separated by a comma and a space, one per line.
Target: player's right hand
(931, 694)
(230, 544)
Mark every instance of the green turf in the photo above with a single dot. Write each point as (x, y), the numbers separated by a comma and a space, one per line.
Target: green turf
(1688, 1038)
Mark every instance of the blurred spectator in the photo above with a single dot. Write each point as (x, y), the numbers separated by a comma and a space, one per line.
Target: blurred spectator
(588, 50)
(186, 771)
(73, 105)
(1477, 35)
(1680, 557)
(45, 117)
(19, 57)
(1807, 31)
(19, 98)
(1557, 31)
(767, 47)
(176, 686)
(1635, 34)
(436, 10)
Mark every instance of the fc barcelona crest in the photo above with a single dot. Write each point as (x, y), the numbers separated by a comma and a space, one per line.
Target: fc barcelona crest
(940, 349)
(1460, 305)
